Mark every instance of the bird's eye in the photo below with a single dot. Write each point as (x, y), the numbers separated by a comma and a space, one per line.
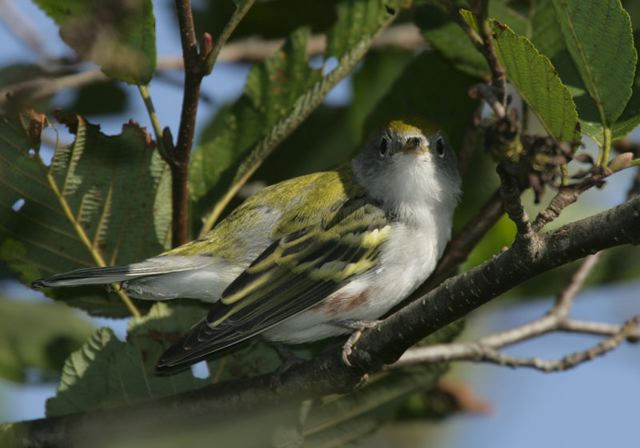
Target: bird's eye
(440, 147)
(383, 149)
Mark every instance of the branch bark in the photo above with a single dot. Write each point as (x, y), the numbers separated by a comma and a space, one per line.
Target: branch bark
(381, 346)
(180, 154)
(557, 319)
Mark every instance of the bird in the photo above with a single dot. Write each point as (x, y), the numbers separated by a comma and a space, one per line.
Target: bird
(317, 256)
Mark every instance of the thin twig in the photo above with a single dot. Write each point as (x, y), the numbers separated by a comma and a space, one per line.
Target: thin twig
(596, 329)
(403, 36)
(155, 121)
(19, 24)
(180, 154)
(490, 355)
(566, 196)
(485, 92)
(498, 79)
(564, 300)
(627, 146)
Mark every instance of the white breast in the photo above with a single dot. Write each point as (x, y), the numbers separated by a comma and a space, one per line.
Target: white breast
(408, 257)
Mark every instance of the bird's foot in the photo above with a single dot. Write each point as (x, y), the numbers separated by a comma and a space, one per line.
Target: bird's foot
(358, 326)
(288, 359)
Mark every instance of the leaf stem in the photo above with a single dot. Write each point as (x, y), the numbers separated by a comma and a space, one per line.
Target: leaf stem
(153, 117)
(606, 147)
(97, 256)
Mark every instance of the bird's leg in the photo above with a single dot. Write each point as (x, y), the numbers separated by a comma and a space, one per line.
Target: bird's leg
(288, 359)
(358, 326)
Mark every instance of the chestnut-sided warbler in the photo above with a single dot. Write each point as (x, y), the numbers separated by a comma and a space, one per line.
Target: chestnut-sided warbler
(301, 258)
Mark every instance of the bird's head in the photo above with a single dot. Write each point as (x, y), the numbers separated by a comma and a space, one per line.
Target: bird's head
(402, 165)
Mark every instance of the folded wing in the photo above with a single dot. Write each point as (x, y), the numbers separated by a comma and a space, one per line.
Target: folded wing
(296, 272)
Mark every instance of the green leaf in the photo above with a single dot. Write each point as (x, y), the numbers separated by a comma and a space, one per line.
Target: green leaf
(119, 36)
(38, 335)
(104, 199)
(500, 10)
(107, 372)
(280, 93)
(599, 37)
(548, 39)
(537, 81)
(450, 40)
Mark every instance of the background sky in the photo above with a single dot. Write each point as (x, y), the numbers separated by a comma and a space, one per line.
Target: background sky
(593, 405)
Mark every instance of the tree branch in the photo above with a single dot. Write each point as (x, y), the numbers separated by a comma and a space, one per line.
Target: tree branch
(327, 374)
(557, 319)
(179, 155)
(403, 36)
(567, 195)
(485, 353)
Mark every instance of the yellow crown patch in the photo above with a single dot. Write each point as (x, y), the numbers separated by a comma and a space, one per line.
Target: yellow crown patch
(411, 125)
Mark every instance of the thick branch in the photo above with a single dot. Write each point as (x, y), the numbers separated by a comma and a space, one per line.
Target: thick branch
(327, 374)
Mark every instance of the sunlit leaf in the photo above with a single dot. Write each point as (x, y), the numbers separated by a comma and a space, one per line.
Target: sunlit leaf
(598, 35)
(118, 35)
(537, 82)
(449, 39)
(104, 199)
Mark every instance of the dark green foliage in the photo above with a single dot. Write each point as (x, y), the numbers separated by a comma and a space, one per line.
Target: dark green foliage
(37, 335)
(119, 36)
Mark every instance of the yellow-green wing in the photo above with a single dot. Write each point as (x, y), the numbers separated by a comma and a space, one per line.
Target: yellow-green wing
(296, 272)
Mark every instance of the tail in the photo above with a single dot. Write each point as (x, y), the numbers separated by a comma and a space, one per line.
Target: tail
(115, 274)
(86, 276)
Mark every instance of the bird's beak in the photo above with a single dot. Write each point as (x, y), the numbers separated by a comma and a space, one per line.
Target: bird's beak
(415, 145)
